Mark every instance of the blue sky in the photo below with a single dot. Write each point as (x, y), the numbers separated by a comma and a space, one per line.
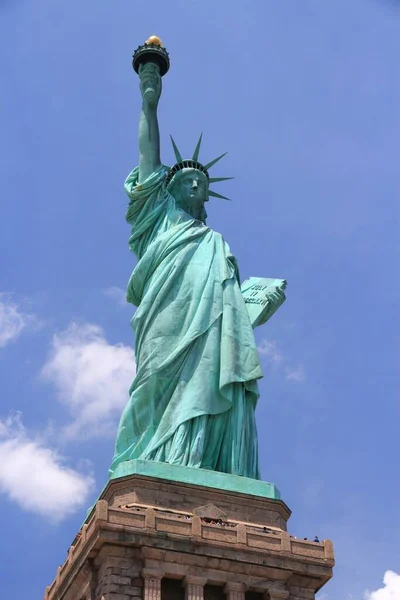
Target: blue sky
(305, 98)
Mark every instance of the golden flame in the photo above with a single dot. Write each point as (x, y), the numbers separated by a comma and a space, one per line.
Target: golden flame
(154, 39)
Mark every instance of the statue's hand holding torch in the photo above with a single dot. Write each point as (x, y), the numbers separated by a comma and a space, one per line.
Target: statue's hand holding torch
(151, 62)
(150, 83)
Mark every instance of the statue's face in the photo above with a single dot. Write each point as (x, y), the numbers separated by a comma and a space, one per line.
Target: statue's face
(191, 189)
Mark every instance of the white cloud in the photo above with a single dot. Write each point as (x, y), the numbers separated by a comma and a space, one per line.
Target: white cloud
(92, 378)
(36, 477)
(296, 374)
(117, 294)
(269, 349)
(390, 591)
(12, 320)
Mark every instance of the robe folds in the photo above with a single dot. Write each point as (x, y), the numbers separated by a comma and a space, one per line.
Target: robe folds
(193, 398)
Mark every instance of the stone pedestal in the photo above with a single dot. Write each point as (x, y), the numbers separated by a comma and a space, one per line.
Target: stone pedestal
(154, 539)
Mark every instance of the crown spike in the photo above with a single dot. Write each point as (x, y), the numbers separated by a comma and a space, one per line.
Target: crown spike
(216, 179)
(216, 195)
(210, 164)
(175, 147)
(197, 149)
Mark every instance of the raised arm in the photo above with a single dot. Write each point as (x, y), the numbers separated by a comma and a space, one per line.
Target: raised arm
(149, 135)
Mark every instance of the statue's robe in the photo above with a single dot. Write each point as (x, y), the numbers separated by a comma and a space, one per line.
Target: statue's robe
(193, 398)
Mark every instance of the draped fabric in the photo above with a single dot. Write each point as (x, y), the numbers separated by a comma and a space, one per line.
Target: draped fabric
(193, 398)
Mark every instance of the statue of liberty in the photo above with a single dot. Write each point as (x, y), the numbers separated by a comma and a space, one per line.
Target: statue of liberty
(193, 398)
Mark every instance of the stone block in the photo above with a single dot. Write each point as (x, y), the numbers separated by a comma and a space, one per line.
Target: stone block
(132, 590)
(106, 588)
(150, 518)
(119, 563)
(113, 550)
(119, 579)
(210, 511)
(241, 534)
(301, 593)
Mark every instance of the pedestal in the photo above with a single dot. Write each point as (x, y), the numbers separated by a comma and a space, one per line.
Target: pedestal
(153, 538)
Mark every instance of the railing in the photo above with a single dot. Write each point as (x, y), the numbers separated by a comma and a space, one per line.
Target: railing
(186, 525)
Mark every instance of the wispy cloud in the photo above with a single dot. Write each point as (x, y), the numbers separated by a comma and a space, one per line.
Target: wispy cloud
(296, 374)
(36, 477)
(390, 589)
(117, 294)
(92, 378)
(13, 320)
(269, 350)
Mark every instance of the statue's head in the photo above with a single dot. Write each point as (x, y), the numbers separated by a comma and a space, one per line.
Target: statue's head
(189, 187)
(188, 181)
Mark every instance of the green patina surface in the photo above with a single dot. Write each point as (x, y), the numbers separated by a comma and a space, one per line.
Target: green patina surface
(193, 399)
(263, 296)
(203, 477)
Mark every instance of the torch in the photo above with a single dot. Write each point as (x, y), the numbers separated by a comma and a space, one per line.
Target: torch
(152, 51)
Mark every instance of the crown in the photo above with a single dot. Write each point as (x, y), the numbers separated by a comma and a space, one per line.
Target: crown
(193, 163)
